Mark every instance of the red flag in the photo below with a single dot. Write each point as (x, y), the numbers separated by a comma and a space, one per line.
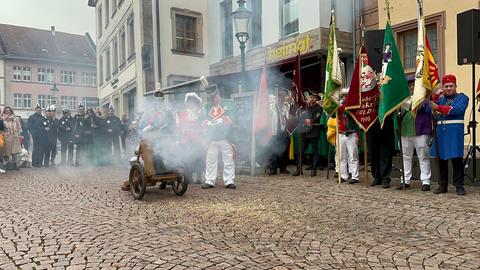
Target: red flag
(363, 96)
(262, 126)
(354, 96)
(297, 86)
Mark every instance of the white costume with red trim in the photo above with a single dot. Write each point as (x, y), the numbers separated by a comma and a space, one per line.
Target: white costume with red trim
(218, 123)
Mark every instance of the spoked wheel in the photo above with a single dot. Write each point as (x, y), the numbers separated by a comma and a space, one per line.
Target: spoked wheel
(180, 186)
(138, 181)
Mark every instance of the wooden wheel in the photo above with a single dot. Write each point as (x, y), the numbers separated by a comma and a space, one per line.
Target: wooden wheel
(180, 186)
(138, 181)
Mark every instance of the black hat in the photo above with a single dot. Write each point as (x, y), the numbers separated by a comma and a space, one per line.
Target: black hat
(81, 105)
(48, 109)
(211, 90)
(38, 106)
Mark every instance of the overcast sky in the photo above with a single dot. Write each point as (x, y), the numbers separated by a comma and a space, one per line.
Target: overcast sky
(71, 16)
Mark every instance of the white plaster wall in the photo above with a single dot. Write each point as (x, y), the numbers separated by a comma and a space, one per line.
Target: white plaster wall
(176, 64)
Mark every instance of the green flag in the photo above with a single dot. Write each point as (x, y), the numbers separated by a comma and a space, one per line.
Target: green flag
(333, 76)
(394, 90)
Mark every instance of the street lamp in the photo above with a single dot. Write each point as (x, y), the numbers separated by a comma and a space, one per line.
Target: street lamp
(241, 19)
(54, 90)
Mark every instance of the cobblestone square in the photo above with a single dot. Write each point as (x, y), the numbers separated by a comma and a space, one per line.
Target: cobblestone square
(79, 218)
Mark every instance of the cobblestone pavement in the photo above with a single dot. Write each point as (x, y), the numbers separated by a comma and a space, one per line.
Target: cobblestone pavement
(80, 219)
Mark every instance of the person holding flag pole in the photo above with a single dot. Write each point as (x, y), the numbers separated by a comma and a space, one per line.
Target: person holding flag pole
(333, 81)
(416, 118)
(393, 93)
(361, 102)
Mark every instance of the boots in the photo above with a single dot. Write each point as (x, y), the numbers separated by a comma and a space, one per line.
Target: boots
(441, 189)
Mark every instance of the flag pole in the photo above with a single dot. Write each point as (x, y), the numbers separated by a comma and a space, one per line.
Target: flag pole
(337, 139)
(365, 157)
(328, 159)
(399, 132)
(435, 138)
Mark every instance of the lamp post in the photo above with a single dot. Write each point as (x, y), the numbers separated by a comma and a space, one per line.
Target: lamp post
(241, 19)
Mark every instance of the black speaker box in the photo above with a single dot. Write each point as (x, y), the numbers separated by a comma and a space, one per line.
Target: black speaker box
(468, 37)
(374, 45)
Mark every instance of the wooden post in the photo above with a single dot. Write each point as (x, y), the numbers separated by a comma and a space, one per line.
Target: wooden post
(365, 157)
(399, 132)
(328, 159)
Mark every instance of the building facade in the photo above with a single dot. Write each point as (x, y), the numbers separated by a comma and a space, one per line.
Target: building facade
(34, 61)
(278, 30)
(146, 45)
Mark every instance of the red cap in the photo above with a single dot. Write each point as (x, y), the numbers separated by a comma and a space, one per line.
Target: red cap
(449, 78)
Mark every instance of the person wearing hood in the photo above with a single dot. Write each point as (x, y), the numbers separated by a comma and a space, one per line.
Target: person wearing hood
(190, 131)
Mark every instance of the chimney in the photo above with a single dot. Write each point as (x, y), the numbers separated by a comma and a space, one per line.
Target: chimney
(52, 28)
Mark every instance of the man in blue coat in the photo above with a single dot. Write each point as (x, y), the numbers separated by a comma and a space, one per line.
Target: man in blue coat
(450, 110)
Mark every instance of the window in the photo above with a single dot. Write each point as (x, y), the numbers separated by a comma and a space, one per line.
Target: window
(17, 73)
(89, 79)
(50, 75)
(289, 11)
(17, 100)
(27, 73)
(41, 74)
(22, 73)
(115, 55)
(69, 102)
(67, 77)
(408, 44)
(227, 29)
(122, 46)
(90, 102)
(107, 13)
(99, 21)
(185, 33)
(107, 64)
(22, 101)
(131, 36)
(44, 101)
(256, 29)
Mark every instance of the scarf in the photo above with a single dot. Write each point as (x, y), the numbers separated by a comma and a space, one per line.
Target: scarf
(12, 125)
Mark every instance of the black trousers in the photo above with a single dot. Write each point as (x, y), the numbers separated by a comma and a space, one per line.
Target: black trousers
(66, 145)
(79, 152)
(458, 173)
(381, 146)
(37, 152)
(278, 149)
(315, 154)
(50, 152)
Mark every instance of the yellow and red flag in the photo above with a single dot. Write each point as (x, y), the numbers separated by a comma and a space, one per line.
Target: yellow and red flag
(426, 73)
